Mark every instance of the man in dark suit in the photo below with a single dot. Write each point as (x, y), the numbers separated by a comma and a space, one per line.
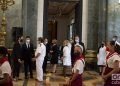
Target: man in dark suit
(17, 57)
(76, 42)
(28, 53)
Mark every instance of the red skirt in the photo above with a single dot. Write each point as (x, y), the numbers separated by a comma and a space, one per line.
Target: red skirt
(77, 81)
(10, 83)
(109, 81)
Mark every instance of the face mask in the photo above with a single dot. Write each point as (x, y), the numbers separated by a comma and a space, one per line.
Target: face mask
(46, 42)
(28, 41)
(38, 42)
(77, 53)
(114, 39)
(77, 41)
(102, 45)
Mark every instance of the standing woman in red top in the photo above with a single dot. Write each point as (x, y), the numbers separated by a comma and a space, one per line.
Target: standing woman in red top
(112, 66)
(5, 69)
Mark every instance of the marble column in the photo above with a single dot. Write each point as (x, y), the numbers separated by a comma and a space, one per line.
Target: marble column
(40, 18)
(85, 22)
(102, 20)
(78, 19)
(24, 16)
(29, 19)
(93, 16)
(45, 19)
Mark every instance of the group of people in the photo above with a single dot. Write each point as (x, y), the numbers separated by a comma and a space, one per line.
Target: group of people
(71, 54)
(23, 52)
(109, 62)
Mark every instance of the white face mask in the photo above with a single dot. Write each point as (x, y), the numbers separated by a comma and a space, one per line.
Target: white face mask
(38, 42)
(77, 40)
(114, 39)
(45, 42)
(28, 41)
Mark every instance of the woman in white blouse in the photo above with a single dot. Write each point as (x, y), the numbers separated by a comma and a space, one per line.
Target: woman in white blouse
(66, 56)
(112, 66)
(101, 57)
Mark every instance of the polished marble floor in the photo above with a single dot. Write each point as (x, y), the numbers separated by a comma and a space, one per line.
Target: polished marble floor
(90, 78)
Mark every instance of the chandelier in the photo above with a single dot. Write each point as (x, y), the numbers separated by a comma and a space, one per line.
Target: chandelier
(57, 7)
(4, 4)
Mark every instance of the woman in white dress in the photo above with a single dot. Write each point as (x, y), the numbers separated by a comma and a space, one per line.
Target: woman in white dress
(40, 55)
(101, 56)
(66, 56)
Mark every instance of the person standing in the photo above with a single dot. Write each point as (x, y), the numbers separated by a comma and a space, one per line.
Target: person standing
(17, 57)
(112, 66)
(115, 39)
(40, 55)
(78, 67)
(76, 42)
(5, 69)
(47, 54)
(101, 57)
(66, 56)
(54, 52)
(28, 53)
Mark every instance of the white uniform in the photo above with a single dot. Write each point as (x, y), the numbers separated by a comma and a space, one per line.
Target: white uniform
(102, 56)
(79, 65)
(39, 61)
(70, 46)
(5, 68)
(66, 56)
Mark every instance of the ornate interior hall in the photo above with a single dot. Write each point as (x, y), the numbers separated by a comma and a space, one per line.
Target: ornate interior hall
(93, 21)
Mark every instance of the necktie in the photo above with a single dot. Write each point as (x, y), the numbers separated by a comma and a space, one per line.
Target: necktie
(28, 45)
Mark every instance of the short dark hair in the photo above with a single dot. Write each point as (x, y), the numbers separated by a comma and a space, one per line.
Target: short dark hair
(116, 46)
(3, 51)
(115, 36)
(112, 43)
(41, 39)
(27, 36)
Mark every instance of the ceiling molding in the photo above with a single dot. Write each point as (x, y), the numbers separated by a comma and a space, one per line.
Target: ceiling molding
(64, 0)
(65, 8)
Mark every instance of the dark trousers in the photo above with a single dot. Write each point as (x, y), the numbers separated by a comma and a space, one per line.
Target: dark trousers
(45, 65)
(28, 65)
(16, 69)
